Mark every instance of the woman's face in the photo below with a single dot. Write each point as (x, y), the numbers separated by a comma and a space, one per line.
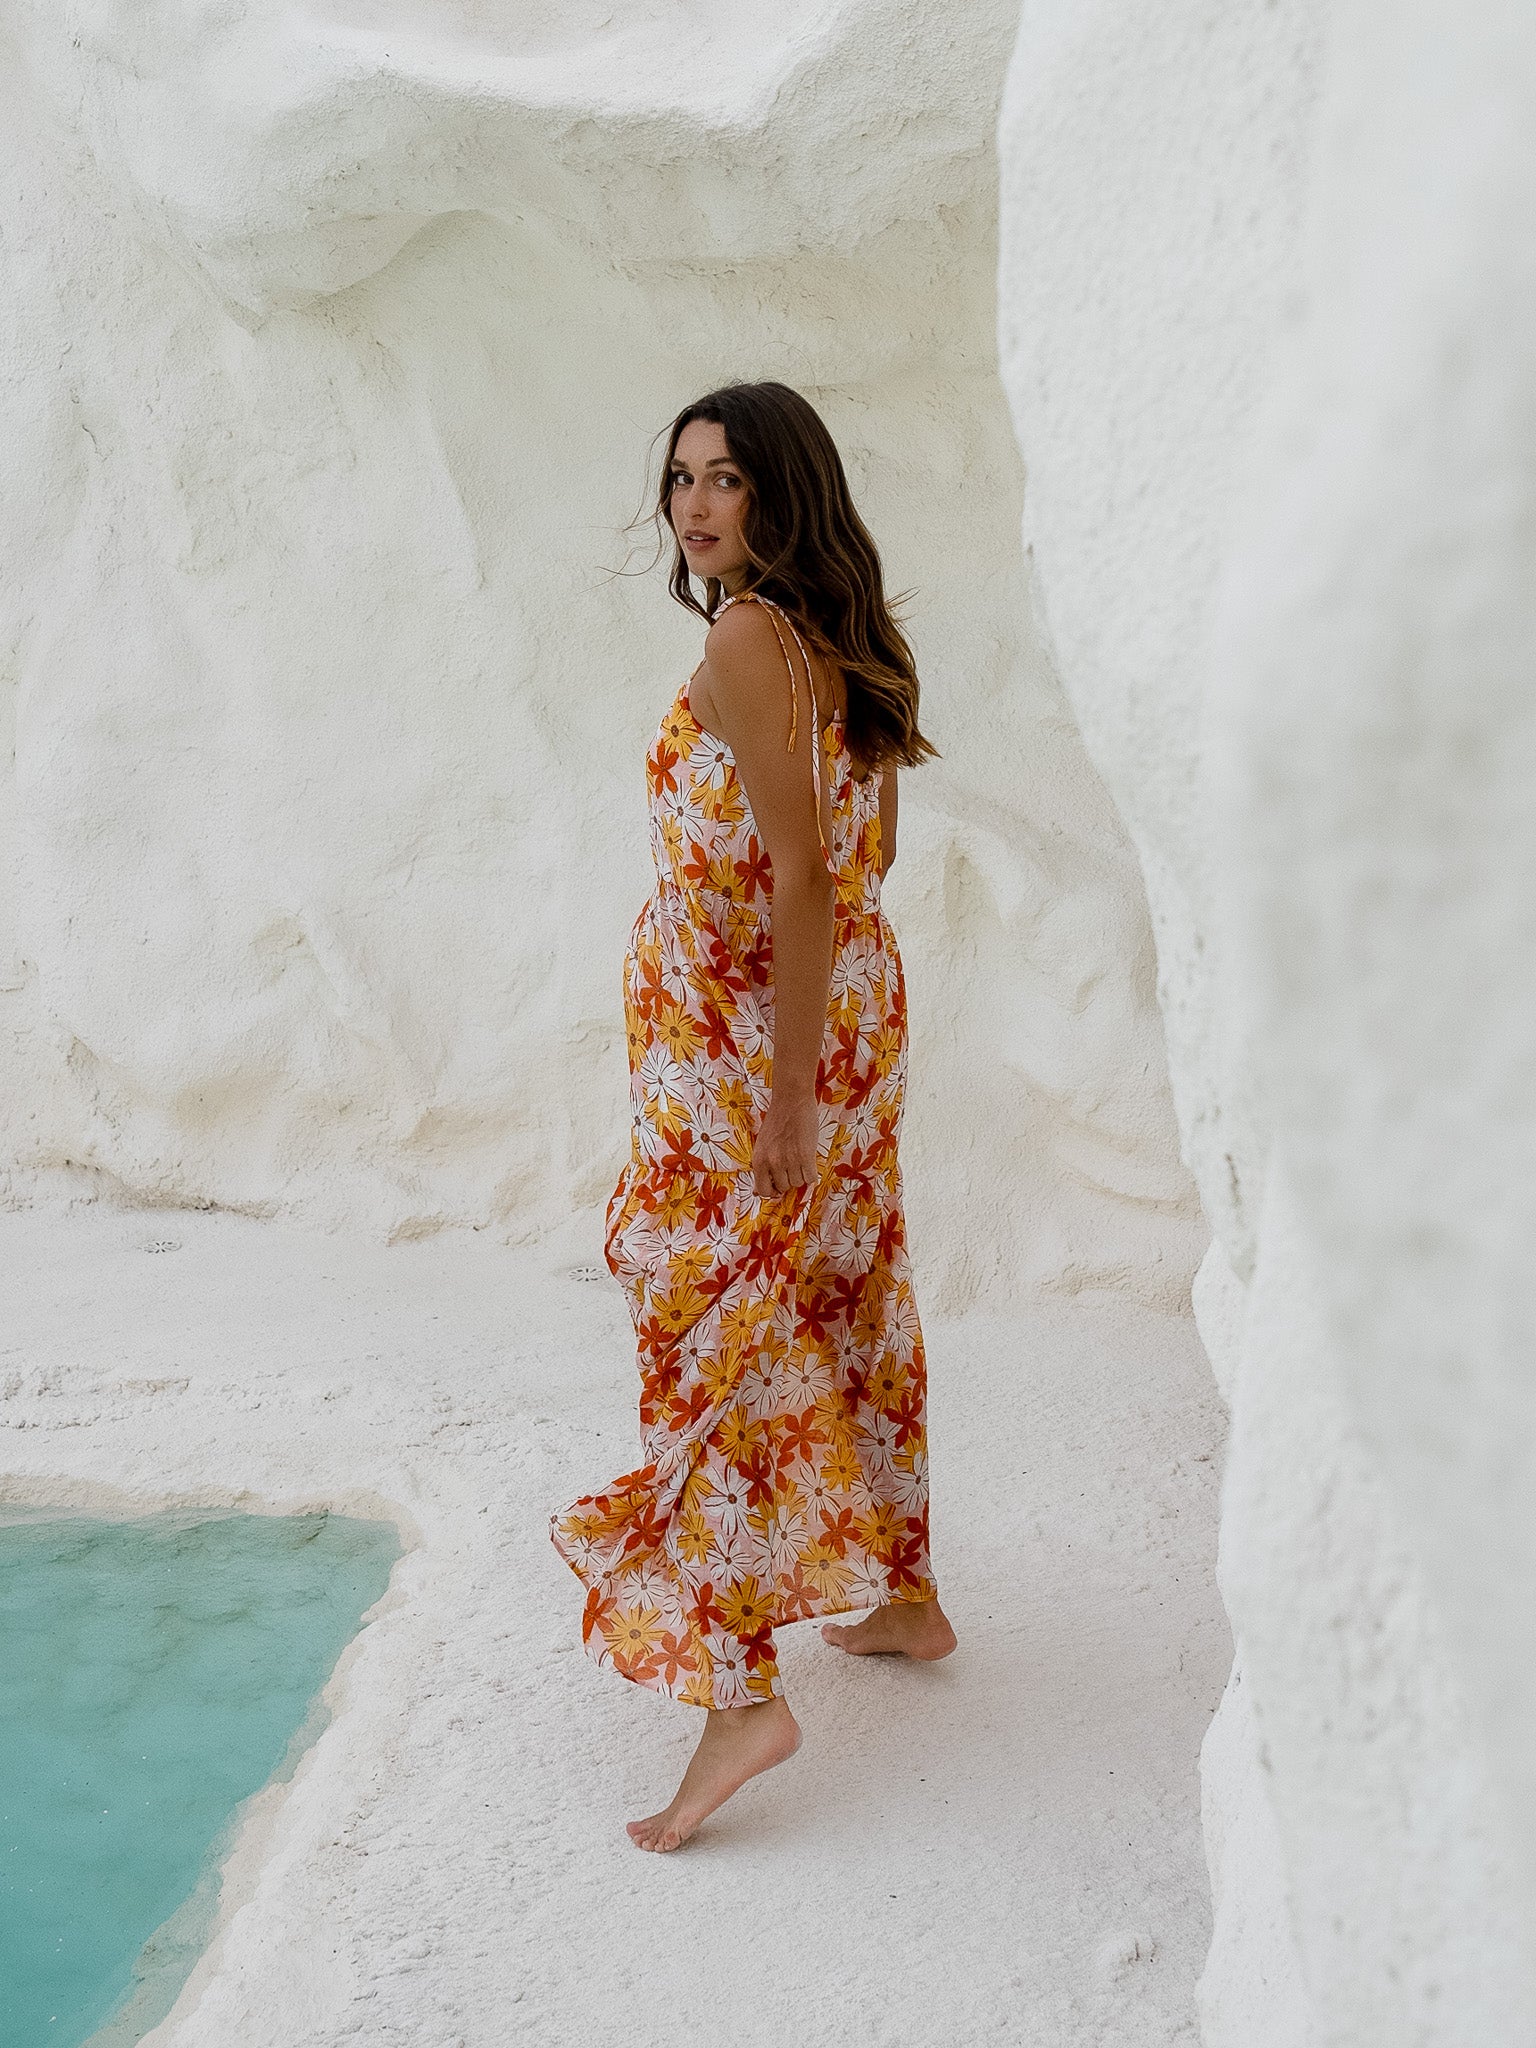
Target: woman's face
(706, 504)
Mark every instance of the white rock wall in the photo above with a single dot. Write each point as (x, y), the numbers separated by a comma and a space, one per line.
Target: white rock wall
(337, 338)
(1268, 309)
(333, 343)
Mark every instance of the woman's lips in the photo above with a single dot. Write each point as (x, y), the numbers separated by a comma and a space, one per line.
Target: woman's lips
(699, 540)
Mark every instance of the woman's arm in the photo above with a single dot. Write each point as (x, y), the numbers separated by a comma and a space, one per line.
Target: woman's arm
(744, 690)
(887, 819)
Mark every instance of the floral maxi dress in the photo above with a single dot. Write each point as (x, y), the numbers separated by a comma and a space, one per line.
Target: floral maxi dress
(782, 1395)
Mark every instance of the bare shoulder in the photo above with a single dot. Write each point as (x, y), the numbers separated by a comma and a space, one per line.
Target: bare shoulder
(743, 636)
(747, 675)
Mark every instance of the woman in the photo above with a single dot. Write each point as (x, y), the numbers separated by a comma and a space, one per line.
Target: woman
(757, 1228)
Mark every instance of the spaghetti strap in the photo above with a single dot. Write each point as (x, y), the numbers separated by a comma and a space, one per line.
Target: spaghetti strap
(775, 613)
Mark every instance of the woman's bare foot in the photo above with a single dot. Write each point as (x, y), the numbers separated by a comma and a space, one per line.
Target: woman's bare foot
(907, 1628)
(737, 1744)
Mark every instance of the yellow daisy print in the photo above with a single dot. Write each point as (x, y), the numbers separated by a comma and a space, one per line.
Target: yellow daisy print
(782, 1377)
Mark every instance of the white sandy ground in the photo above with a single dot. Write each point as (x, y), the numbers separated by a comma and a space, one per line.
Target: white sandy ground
(1001, 1848)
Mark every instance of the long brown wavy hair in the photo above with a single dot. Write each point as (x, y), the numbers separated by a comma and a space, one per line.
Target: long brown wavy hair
(812, 554)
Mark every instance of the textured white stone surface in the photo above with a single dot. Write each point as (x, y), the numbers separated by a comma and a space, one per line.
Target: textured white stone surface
(1001, 1848)
(334, 339)
(338, 337)
(1268, 301)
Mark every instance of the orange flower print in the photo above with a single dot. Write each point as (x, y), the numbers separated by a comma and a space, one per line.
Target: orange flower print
(887, 1383)
(633, 1633)
(783, 1385)
(675, 1032)
(747, 1608)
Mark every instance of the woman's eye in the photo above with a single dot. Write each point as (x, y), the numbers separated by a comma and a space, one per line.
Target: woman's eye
(730, 482)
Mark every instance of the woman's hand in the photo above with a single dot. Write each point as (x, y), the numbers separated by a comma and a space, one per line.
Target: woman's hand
(784, 1156)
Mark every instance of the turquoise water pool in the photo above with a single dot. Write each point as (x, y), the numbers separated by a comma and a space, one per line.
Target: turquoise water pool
(153, 1674)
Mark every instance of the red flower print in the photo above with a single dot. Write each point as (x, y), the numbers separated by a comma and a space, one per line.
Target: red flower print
(705, 1612)
(782, 1390)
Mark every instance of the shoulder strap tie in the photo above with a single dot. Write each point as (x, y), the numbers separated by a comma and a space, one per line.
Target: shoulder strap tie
(775, 613)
